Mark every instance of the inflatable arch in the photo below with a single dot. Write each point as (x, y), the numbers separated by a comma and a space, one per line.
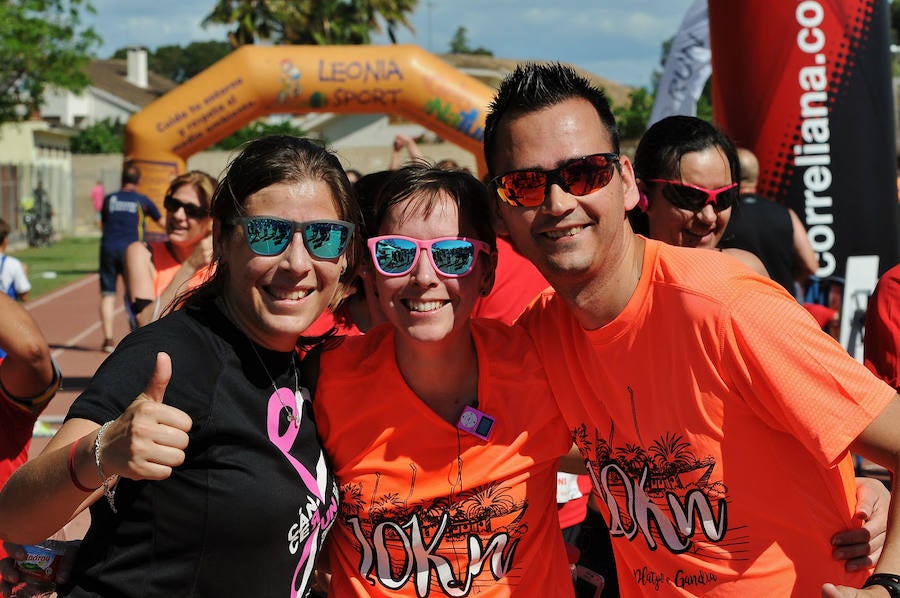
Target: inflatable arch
(255, 81)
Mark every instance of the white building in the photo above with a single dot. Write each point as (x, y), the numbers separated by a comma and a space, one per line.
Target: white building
(118, 89)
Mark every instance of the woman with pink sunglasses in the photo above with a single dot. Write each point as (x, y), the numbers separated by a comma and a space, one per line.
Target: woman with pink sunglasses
(441, 428)
(688, 175)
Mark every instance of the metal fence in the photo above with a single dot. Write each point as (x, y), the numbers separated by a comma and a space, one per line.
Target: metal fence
(20, 182)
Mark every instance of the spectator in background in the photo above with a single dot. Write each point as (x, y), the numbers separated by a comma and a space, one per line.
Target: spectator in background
(675, 158)
(13, 280)
(408, 144)
(97, 195)
(157, 272)
(123, 218)
(353, 175)
(770, 230)
(404, 142)
(882, 336)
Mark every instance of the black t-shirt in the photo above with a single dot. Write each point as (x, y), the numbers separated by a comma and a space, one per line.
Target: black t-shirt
(764, 228)
(241, 516)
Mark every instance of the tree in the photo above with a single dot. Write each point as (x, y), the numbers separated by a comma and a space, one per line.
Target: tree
(459, 44)
(41, 44)
(309, 21)
(632, 119)
(180, 63)
(103, 137)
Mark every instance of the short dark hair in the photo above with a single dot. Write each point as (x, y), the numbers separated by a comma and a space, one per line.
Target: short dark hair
(4, 230)
(659, 153)
(426, 182)
(131, 174)
(532, 87)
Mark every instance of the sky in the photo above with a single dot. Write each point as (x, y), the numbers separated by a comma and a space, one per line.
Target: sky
(619, 41)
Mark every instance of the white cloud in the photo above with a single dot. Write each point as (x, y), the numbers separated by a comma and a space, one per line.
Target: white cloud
(624, 39)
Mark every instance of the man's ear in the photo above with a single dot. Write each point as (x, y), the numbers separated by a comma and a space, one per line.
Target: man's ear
(629, 184)
(496, 217)
(489, 274)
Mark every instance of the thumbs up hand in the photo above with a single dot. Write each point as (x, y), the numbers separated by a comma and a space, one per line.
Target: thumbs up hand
(149, 439)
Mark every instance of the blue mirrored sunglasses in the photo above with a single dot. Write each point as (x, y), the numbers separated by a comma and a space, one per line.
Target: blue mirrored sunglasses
(323, 239)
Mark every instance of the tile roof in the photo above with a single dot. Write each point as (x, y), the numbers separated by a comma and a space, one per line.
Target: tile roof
(110, 76)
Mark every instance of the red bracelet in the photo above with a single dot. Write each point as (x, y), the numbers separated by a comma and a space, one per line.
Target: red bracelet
(72, 473)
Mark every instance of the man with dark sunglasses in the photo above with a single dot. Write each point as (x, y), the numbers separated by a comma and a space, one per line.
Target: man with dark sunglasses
(714, 417)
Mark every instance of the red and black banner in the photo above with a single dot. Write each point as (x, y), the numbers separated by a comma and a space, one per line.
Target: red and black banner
(806, 84)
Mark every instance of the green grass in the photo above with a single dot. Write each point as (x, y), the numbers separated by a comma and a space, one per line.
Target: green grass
(63, 262)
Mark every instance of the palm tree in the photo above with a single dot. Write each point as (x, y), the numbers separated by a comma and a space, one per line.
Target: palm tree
(309, 21)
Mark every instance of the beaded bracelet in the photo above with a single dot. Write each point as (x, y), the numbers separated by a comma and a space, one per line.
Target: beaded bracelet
(72, 473)
(109, 489)
(888, 581)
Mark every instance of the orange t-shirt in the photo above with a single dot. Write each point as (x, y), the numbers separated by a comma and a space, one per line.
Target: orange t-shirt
(427, 509)
(516, 283)
(715, 416)
(166, 266)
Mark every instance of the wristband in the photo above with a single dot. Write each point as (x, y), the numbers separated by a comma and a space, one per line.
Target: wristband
(108, 489)
(138, 305)
(72, 473)
(888, 581)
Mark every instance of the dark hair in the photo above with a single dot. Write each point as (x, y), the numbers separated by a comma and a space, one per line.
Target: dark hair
(267, 161)
(532, 87)
(131, 175)
(204, 184)
(426, 182)
(659, 153)
(367, 189)
(4, 230)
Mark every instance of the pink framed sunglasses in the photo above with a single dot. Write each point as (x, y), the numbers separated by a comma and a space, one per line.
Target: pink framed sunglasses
(694, 198)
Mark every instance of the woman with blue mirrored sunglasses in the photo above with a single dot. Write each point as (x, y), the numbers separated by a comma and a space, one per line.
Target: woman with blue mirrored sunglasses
(201, 422)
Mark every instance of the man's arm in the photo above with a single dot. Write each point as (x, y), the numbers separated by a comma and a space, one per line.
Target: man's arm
(805, 261)
(151, 209)
(880, 443)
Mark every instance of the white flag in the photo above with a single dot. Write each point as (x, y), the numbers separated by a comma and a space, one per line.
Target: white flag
(688, 66)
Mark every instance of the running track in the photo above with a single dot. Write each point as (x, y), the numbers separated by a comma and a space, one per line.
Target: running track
(69, 317)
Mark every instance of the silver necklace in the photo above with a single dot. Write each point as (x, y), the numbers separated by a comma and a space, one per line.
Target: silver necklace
(292, 415)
